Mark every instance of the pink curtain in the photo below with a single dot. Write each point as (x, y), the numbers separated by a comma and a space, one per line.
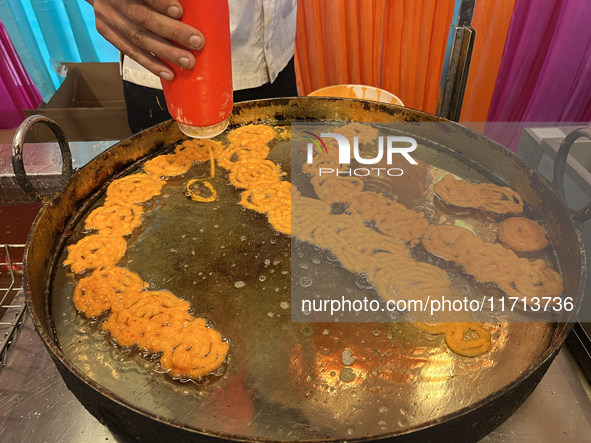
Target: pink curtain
(17, 91)
(545, 73)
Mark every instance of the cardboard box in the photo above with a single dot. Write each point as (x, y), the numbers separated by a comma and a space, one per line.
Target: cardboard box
(88, 106)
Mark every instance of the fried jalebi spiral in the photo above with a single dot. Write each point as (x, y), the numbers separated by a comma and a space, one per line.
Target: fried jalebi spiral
(433, 328)
(198, 150)
(159, 323)
(463, 338)
(136, 188)
(493, 263)
(95, 251)
(390, 217)
(156, 322)
(248, 133)
(114, 220)
(486, 196)
(455, 337)
(264, 196)
(107, 288)
(196, 352)
(189, 192)
(156, 316)
(233, 153)
(246, 173)
(385, 261)
(365, 133)
(168, 165)
(522, 234)
(534, 280)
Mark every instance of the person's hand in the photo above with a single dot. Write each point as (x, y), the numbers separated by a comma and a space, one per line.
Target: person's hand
(144, 30)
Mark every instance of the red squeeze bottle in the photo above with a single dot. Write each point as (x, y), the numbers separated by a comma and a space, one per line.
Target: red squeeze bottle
(200, 99)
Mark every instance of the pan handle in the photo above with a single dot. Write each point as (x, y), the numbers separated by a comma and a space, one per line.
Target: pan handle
(584, 214)
(17, 157)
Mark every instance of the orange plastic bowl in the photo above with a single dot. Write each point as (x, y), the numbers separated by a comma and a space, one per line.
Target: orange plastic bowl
(357, 91)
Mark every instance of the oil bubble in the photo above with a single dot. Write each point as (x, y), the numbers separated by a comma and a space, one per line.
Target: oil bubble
(306, 282)
(347, 375)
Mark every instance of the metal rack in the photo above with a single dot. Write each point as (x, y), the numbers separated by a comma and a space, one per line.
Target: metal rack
(12, 305)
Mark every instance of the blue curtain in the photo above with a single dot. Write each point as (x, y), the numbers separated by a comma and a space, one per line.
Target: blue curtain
(47, 33)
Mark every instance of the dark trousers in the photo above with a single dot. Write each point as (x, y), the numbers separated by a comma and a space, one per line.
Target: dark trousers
(146, 107)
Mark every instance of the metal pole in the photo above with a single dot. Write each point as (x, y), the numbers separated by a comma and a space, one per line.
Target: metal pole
(456, 65)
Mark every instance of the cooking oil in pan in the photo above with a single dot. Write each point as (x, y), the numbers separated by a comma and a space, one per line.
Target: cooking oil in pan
(283, 380)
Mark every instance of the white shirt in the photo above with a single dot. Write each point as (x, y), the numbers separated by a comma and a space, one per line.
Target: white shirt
(263, 38)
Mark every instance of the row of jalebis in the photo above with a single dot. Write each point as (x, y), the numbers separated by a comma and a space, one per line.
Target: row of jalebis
(397, 221)
(156, 322)
(487, 262)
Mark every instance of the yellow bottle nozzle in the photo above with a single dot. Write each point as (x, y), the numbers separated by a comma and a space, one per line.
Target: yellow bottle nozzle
(204, 131)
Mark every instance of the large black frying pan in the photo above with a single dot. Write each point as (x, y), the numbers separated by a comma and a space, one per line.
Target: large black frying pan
(282, 381)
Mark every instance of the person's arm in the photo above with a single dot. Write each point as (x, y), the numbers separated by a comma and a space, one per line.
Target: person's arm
(144, 31)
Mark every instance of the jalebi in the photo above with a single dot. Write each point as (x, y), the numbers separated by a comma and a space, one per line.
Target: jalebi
(491, 198)
(522, 234)
(133, 189)
(114, 220)
(168, 165)
(95, 251)
(195, 196)
(457, 336)
(249, 133)
(107, 288)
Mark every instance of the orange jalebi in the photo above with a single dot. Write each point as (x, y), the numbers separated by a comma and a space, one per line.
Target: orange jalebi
(136, 188)
(265, 195)
(196, 196)
(246, 173)
(156, 322)
(95, 251)
(522, 234)
(169, 165)
(195, 352)
(464, 338)
(233, 153)
(491, 198)
(250, 133)
(249, 169)
(107, 288)
(114, 220)
(198, 150)
(384, 260)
